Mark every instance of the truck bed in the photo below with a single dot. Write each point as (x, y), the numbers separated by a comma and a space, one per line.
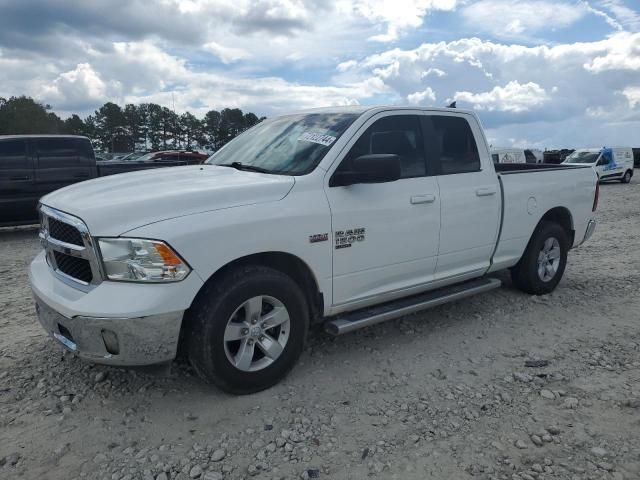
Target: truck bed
(568, 190)
(537, 167)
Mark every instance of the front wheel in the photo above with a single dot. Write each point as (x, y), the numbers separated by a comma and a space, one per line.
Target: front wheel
(247, 329)
(541, 267)
(626, 177)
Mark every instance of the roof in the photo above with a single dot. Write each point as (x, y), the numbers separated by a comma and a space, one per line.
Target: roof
(7, 137)
(360, 109)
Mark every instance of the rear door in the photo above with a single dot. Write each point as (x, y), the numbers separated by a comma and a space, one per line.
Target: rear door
(469, 194)
(59, 163)
(385, 235)
(18, 198)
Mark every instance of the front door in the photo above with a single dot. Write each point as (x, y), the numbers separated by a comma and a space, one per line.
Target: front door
(385, 235)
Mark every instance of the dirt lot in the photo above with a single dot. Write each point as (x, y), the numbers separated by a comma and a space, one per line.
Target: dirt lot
(447, 394)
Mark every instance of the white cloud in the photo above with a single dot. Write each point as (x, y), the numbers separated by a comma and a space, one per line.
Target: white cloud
(513, 97)
(226, 54)
(515, 18)
(344, 66)
(398, 15)
(433, 71)
(624, 15)
(633, 96)
(622, 53)
(80, 87)
(418, 98)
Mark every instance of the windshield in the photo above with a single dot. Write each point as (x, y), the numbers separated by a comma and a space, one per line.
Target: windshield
(290, 145)
(133, 156)
(582, 157)
(146, 157)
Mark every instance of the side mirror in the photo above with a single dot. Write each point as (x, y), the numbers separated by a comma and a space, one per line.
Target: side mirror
(372, 168)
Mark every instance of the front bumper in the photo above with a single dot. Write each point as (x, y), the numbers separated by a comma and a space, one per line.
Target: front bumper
(114, 323)
(114, 341)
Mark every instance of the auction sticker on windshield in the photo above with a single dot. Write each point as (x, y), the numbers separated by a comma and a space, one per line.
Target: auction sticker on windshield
(316, 137)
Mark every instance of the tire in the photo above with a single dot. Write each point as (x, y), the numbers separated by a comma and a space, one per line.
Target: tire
(226, 343)
(626, 178)
(532, 277)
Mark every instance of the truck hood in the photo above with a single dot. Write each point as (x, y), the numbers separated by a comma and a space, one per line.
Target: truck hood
(116, 204)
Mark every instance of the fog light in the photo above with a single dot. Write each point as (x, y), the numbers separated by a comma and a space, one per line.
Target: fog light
(110, 340)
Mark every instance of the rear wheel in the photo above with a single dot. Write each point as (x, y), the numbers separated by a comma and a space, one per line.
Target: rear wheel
(541, 267)
(247, 329)
(626, 178)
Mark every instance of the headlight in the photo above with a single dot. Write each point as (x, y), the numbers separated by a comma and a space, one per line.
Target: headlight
(140, 260)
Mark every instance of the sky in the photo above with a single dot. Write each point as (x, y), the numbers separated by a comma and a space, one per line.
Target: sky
(539, 73)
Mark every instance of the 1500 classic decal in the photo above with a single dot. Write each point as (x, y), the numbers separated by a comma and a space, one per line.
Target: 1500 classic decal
(318, 237)
(346, 238)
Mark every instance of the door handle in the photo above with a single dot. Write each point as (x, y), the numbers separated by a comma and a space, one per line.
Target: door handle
(20, 178)
(485, 192)
(417, 199)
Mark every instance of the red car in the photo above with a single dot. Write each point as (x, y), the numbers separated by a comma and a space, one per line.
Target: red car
(177, 157)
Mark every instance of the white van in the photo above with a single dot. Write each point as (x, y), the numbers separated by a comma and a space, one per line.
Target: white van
(614, 163)
(514, 155)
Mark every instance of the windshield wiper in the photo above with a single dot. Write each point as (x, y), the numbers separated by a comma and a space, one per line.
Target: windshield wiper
(242, 166)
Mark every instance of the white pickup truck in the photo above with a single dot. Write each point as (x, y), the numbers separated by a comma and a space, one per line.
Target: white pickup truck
(347, 216)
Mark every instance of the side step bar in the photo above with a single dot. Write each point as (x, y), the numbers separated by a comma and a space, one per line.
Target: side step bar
(349, 322)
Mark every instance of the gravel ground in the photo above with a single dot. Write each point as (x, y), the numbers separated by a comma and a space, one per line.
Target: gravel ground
(500, 386)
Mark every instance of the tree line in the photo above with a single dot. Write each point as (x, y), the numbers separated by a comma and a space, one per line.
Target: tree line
(147, 126)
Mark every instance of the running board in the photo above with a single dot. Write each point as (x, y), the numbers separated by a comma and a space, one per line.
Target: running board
(349, 322)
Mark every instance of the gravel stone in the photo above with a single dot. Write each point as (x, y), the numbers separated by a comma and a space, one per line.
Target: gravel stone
(218, 455)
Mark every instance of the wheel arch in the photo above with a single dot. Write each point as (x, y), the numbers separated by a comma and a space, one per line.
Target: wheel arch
(287, 263)
(562, 216)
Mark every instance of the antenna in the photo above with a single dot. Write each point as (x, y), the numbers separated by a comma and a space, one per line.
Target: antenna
(452, 104)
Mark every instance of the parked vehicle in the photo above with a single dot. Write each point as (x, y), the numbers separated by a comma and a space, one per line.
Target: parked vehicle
(132, 156)
(348, 216)
(186, 157)
(636, 157)
(33, 165)
(614, 163)
(537, 154)
(513, 155)
(556, 156)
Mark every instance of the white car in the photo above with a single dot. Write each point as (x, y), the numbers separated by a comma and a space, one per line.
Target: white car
(515, 155)
(346, 216)
(615, 163)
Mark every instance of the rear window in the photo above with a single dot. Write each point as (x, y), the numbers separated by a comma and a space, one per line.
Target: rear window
(451, 144)
(13, 154)
(84, 148)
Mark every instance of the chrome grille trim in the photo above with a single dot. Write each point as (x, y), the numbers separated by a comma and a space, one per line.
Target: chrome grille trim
(86, 252)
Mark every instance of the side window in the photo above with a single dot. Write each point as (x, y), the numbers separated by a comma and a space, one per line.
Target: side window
(397, 134)
(57, 152)
(13, 154)
(495, 158)
(451, 144)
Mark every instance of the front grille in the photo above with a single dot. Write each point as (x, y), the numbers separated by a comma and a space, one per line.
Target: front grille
(74, 267)
(64, 232)
(69, 248)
